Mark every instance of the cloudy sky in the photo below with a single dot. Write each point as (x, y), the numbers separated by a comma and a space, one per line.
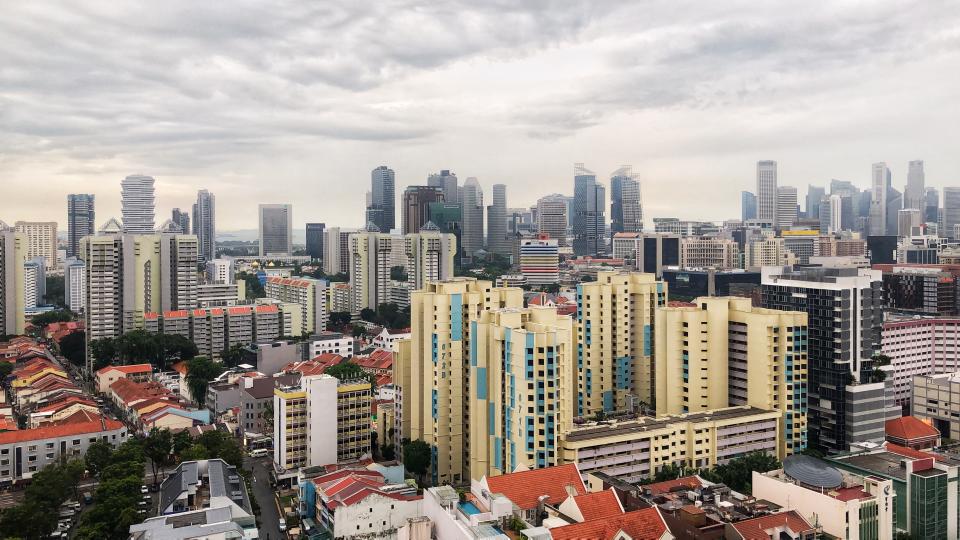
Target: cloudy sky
(298, 101)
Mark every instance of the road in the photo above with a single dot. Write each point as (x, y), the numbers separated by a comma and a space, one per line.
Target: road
(269, 518)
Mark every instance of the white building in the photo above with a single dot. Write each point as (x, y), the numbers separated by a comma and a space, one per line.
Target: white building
(331, 342)
(33, 278)
(75, 285)
(138, 204)
(878, 199)
(767, 190)
(220, 271)
(786, 206)
(41, 240)
(385, 339)
(540, 260)
(552, 218)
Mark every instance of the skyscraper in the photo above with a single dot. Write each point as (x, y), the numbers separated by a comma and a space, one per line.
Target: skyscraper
(276, 229)
(878, 199)
(181, 219)
(552, 218)
(416, 207)
(951, 212)
(383, 199)
(931, 208)
(748, 206)
(205, 224)
(913, 195)
(80, 220)
(786, 206)
(41, 240)
(814, 196)
(472, 203)
(12, 259)
(315, 240)
(497, 241)
(626, 210)
(447, 182)
(767, 190)
(137, 202)
(589, 202)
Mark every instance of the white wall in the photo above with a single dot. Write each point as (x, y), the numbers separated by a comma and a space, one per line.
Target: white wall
(321, 419)
(375, 514)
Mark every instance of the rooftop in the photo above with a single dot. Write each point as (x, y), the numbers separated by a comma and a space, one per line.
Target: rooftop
(614, 428)
(524, 488)
(646, 524)
(765, 527)
(908, 428)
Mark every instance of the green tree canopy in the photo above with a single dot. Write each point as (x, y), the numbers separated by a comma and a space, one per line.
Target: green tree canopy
(48, 317)
(200, 371)
(158, 448)
(416, 457)
(73, 347)
(98, 456)
(737, 474)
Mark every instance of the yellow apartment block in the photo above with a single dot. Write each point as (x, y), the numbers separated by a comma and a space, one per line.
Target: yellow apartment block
(431, 370)
(615, 317)
(522, 392)
(725, 352)
(636, 449)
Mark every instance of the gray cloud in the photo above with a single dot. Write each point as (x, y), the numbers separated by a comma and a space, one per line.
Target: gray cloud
(287, 100)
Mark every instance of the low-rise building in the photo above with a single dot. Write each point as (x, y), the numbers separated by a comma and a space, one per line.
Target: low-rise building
(912, 433)
(331, 342)
(255, 396)
(634, 450)
(844, 505)
(935, 399)
(358, 503)
(110, 374)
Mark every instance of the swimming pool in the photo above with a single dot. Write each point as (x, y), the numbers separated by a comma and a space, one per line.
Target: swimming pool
(469, 508)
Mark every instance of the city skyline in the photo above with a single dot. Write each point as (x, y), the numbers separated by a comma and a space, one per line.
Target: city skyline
(604, 84)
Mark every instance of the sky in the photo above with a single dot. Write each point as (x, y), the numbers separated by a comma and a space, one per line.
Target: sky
(296, 102)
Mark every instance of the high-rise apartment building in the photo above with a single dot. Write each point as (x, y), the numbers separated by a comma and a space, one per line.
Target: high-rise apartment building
(276, 229)
(709, 252)
(138, 204)
(220, 271)
(130, 275)
(723, 352)
(916, 190)
(748, 206)
(767, 190)
(497, 240)
(41, 240)
(81, 214)
(589, 224)
(308, 293)
(382, 210)
(880, 185)
(472, 204)
(336, 250)
(432, 369)
(786, 206)
(614, 324)
(315, 234)
(13, 255)
(430, 256)
(626, 210)
(552, 218)
(447, 182)
(34, 284)
(181, 219)
(522, 389)
(540, 260)
(416, 207)
(75, 285)
(831, 214)
(205, 224)
(844, 315)
(321, 421)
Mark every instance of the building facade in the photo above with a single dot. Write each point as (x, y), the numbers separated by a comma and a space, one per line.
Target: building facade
(315, 235)
(308, 293)
(13, 255)
(137, 204)
(205, 224)
(589, 223)
(41, 240)
(81, 214)
(540, 260)
(626, 209)
(767, 190)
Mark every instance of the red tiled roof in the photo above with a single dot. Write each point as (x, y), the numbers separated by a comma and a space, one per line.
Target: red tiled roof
(128, 369)
(239, 310)
(178, 314)
(267, 309)
(525, 487)
(909, 452)
(8, 424)
(688, 482)
(909, 428)
(757, 528)
(851, 494)
(151, 315)
(59, 430)
(128, 390)
(646, 524)
(67, 402)
(599, 505)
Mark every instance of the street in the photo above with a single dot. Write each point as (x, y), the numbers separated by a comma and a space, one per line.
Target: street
(269, 518)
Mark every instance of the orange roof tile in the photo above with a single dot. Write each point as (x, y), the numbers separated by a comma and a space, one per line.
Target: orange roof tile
(763, 528)
(908, 452)
(59, 430)
(525, 487)
(908, 428)
(128, 369)
(598, 505)
(267, 309)
(688, 482)
(646, 524)
(240, 310)
(178, 314)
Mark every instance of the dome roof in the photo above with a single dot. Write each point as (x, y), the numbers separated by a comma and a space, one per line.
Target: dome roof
(812, 471)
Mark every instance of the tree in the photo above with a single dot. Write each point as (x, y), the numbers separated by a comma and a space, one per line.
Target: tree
(180, 442)
(358, 331)
(388, 452)
(222, 445)
(49, 317)
(200, 371)
(54, 295)
(253, 286)
(368, 314)
(172, 348)
(416, 458)
(340, 318)
(103, 351)
(157, 446)
(195, 452)
(98, 456)
(73, 347)
(737, 474)
(6, 368)
(232, 356)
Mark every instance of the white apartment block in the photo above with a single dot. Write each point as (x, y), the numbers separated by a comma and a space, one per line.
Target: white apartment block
(41, 240)
(220, 271)
(709, 252)
(331, 342)
(75, 285)
(310, 294)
